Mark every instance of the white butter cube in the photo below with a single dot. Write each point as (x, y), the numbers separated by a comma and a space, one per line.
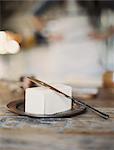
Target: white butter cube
(45, 101)
(34, 101)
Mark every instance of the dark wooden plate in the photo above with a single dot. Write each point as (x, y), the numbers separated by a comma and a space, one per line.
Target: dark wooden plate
(18, 107)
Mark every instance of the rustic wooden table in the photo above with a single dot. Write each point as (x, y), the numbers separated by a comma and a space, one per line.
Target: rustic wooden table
(84, 132)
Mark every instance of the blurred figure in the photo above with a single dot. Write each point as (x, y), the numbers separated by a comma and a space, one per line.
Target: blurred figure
(73, 54)
(40, 19)
(77, 43)
(75, 37)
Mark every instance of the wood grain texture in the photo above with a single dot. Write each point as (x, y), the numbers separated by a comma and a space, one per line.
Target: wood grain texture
(84, 132)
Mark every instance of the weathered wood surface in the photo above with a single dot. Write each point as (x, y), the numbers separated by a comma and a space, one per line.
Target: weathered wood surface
(84, 132)
(41, 139)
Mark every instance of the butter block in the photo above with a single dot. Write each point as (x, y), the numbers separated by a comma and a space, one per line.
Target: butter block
(40, 100)
(34, 101)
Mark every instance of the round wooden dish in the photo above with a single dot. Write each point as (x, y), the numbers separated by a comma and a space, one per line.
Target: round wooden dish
(18, 107)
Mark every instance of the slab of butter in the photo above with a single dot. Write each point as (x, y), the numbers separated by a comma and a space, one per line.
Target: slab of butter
(40, 100)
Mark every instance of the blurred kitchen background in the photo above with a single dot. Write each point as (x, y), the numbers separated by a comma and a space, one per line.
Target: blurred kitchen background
(69, 41)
